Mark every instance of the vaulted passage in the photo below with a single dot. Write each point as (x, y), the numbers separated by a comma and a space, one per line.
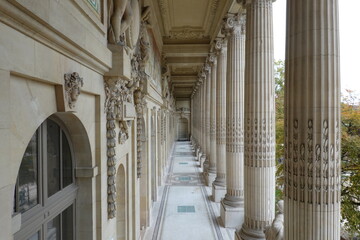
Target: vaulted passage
(155, 119)
(186, 210)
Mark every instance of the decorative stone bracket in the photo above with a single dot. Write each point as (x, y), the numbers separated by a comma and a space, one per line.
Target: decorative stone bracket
(68, 93)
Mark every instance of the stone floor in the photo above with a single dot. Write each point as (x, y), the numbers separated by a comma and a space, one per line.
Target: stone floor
(185, 210)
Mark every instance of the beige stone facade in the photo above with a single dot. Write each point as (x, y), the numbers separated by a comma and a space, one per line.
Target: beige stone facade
(95, 93)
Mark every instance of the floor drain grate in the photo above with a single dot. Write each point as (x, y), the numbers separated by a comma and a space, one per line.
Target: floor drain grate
(183, 163)
(186, 209)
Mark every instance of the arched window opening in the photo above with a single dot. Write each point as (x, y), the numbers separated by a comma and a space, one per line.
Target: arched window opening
(45, 191)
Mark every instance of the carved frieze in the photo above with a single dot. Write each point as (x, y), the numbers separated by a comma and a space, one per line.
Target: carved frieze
(73, 84)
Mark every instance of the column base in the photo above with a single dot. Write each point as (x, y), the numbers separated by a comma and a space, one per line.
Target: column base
(209, 178)
(202, 161)
(249, 234)
(205, 165)
(218, 192)
(232, 217)
(198, 154)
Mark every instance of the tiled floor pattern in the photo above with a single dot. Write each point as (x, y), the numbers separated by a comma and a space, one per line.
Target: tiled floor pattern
(185, 210)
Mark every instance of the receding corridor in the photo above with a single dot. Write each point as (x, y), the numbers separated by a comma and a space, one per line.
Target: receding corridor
(185, 209)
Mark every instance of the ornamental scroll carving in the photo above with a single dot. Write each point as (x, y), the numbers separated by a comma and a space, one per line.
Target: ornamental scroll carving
(73, 84)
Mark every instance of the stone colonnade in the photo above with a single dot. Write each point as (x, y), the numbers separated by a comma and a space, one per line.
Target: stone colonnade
(244, 77)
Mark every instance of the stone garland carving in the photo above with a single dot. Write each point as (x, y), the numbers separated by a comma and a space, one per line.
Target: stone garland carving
(117, 93)
(140, 103)
(73, 83)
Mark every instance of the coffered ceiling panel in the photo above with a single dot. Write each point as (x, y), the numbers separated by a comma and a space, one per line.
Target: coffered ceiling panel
(188, 28)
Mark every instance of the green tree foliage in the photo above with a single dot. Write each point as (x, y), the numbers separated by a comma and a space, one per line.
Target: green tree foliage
(279, 106)
(350, 156)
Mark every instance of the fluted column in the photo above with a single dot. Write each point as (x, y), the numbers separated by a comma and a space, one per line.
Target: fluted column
(211, 173)
(232, 205)
(312, 132)
(203, 121)
(207, 83)
(259, 121)
(219, 185)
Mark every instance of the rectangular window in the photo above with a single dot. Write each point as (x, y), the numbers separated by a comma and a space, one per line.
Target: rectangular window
(68, 224)
(53, 229)
(36, 236)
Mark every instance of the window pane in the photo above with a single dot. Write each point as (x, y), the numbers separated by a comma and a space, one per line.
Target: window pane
(53, 157)
(53, 229)
(68, 224)
(36, 236)
(67, 162)
(28, 177)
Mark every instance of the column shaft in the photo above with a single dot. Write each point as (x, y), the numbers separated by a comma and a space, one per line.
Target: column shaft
(212, 160)
(220, 180)
(312, 93)
(259, 121)
(235, 113)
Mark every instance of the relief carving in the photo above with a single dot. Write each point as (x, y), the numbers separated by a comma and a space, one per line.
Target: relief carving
(124, 22)
(276, 230)
(312, 167)
(73, 84)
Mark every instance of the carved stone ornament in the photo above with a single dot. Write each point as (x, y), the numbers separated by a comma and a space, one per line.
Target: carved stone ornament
(117, 93)
(73, 83)
(187, 33)
(234, 24)
(139, 94)
(276, 230)
(124, 22)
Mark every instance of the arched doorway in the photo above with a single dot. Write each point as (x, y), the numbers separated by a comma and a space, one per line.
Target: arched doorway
(183, 132)
(121, 193)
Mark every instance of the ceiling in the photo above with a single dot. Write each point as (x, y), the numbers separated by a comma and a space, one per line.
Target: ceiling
(188, 27)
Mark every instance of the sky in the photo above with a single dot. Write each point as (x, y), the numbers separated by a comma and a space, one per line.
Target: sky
(349, 40)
